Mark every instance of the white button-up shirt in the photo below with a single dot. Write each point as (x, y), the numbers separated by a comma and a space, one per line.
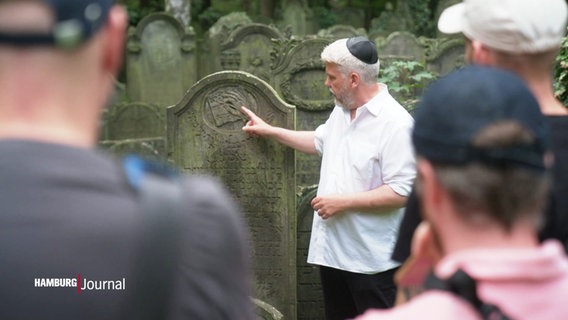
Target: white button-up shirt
(360, 155)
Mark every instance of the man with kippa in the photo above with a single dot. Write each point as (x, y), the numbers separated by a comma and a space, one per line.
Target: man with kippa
(522, 36)
(482, 182)
(367, 170)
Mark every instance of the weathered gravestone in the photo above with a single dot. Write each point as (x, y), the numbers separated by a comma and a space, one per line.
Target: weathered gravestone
(445, 54)
(310, 295)
(248, 49)
(137, 127)
(398, 46)
(339, 31)
(135, 120)
(299, 77)
(205, 136)
(210, 48)
(160, 62)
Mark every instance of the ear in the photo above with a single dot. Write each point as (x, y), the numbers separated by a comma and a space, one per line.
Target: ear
(354, 79)
(431, 196)
(116, 34)
(481, 54)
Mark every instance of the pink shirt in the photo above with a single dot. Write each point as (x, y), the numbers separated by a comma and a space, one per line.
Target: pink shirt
(527, 284)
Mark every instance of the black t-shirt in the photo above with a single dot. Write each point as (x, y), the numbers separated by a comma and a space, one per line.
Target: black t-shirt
(556, 217)
(67, 214)
(556, 213)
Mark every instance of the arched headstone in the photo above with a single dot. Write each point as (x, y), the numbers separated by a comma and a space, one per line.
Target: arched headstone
(205, 136)
(160, 61)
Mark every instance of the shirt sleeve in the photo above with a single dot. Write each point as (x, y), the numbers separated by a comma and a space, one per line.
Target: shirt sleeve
(319, 137)
(398, 160)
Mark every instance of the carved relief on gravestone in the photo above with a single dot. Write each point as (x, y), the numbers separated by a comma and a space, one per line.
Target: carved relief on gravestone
(160, 61)
(248, 49)
(205, 136)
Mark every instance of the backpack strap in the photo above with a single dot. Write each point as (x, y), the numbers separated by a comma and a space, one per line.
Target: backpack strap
(156, 260)
(464, 286)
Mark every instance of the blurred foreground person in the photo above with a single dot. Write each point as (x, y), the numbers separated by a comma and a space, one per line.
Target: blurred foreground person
(76, 238)
(522, 36)
(480, 140)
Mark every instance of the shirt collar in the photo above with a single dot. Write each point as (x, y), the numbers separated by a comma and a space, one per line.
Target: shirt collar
(543, 262)
(374, 105)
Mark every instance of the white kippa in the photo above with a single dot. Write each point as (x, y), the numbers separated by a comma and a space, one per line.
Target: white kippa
(516, 26)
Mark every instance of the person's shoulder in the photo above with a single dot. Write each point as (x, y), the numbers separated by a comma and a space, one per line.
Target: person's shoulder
(393, 108)
(207, 192)
(202, 184)
(431, 304)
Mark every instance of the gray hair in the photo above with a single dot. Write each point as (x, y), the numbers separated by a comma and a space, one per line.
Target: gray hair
(337, 53)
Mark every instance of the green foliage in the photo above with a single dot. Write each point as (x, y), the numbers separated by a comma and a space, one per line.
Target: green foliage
(138, 9)
(423, 20)
(208, 17)
(406, 80)
(325, 17)
(561, 73)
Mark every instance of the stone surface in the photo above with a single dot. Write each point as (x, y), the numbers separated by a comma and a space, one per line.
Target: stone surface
(205, 136)
(160, 60)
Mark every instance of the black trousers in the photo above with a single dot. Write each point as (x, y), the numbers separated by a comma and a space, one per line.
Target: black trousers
(347, 294)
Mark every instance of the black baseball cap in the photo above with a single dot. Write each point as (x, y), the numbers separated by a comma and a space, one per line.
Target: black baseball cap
(75, 22)
(363, 49)
(456, 107)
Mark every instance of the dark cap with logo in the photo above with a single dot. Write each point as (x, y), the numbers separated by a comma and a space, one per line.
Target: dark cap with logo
(75, 22)
(456, 107)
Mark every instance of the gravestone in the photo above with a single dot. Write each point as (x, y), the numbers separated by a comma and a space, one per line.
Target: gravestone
(400, 46)
(149, 148)
(135, 120)
(339, 31)
(445, 54)
(395, 17)
(160, 61)
(299, 77)
(135, 128)
(210, 48)
(248, 48)
(294, 15)
(205, 136)
(310, 294)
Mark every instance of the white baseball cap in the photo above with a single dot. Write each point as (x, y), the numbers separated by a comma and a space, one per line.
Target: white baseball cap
(517, 26)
